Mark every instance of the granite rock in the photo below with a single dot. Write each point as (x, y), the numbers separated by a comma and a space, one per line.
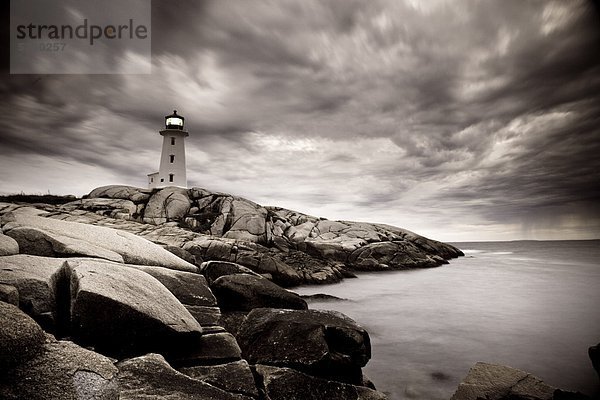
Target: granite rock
(8, 245)
(123, 311)
(39, 235)
(62, 370)
(491, 381)
(36, 279)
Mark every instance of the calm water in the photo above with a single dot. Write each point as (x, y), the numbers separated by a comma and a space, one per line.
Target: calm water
(529, 305)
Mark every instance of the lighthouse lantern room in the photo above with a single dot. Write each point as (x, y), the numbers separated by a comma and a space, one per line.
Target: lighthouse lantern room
(172, 170)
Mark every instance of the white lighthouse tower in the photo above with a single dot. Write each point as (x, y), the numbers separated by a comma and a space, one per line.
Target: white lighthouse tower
(171, 171)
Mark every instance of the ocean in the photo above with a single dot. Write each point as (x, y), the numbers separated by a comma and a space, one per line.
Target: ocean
(531, 305)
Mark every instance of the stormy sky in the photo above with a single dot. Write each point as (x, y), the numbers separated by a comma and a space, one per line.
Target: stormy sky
(459, 120)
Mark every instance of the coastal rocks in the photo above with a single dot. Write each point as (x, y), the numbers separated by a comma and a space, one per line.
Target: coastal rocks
(151, 377)
(61, 370)
(8, 245)
(38, 235)
(35, 279)
(294, 248)
(325, 344)
(243, 292)
(168, 204)
(285, 383)
(492, 381)
(122, 311)
(594, 353)
(20, 337)
(233, 377)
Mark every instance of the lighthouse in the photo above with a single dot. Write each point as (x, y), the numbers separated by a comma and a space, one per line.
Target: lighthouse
(171, 171)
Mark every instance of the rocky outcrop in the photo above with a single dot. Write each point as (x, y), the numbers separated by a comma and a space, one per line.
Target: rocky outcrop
(301, 248)
(285, 383)
(122, 311)
(42, 236)
(337, 350)
(151, 377)
(243, 292)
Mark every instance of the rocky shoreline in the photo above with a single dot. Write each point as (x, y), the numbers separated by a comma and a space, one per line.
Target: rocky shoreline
(179, 293)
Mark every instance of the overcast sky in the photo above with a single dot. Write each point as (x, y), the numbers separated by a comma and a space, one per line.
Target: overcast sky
(459, 120)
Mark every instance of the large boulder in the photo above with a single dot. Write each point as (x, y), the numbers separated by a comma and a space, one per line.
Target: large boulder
(248, 221)
(288, 384)
(43, 236)
(213, 270)
(235, 377)
(20, 337)
(8, 245)
(326, 344)
(491, 381)
(62, 370)
(150, 377)
(123, 311)
(243, 292)
(216, 346)
(134, 194)
(168, 204)
(36, 280)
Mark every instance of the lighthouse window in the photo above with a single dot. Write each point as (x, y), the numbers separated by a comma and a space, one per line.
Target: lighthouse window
(171, 158)
(172, 141)
(170, 177)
